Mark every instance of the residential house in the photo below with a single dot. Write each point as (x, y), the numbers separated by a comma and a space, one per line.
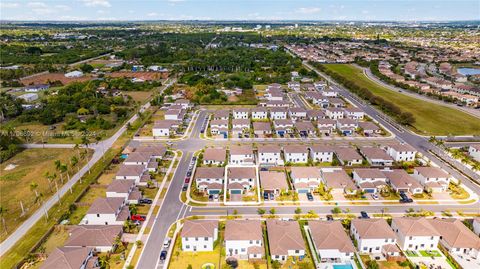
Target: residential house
(376, 156)
(294, 85)
(331, 242)
(338, 181)
(240, 126)
(210, 179)
(305, 128)
(283, 127)
(70, 258)
(240, 179)
(369, 128)
(402, 152)
(273, 182)
(269, 154)
(334, 113)
(219, 127)
(241, 113)
(199, 235)
(456, 238)
(348, 156)
(215, 156)
(314, 114)
(321, 153)
(474, 151)
(244, 239)
(100, 238)
(107, 211)
(240, 155)
(164, 128)
(223, 114)
(432, 178)
(276, 104)
(326, 126)
(305, 179)
(374, 237)
(134, 172)
(259, 113)
(285, 240)
(295, 153)
(415, 233)
(329, 93)
(184, 103)
(124, 188)
(297, 113)
(354, 113)
(175, 114)
(369, 180)
(401, 181)
(347, 126)
(278, 113)
(336, 102)
(261, 128)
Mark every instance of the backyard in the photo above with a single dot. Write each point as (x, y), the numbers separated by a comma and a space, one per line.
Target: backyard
(23, 181)
(430, 119)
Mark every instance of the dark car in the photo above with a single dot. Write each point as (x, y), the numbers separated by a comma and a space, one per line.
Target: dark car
(163, 255)
(210, 197)
(202, 131)
(189, 173)
(329, 217)
(194, 158)
(263, 169)
(145, 201)
(187, 180)
(271, 196)
(185, 188)
(265, 196)
(364, 215)
(309, 197)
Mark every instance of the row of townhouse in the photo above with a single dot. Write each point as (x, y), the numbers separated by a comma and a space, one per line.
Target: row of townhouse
(244, 240)
(297, 86)
(173, 118)
(102, 225)
(270, 154)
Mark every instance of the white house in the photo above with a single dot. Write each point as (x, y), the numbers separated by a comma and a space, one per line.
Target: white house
(295, 153)
(219, 127)
(326, 126)
(474, 151)
(199, 235)
(134, 172)
(376, 156)
(402, 152)
(433, 178)
(457, 238)
(297, 113)
(75, 257)
(261, 128)
(124, 188)
(244, 239)
(347, 126)
(331, 242)
(174, 114)
(101, 238)
(338, 181)
(415, 233)
(354, 113)
(240, 113)
(369, 180)
(270, 154)
(222, 114)
(329, 93)
(401, 181)
(278, 113)
(107, 211)
(210, 179)
(29, 97)
(214, 156)
(321, 153)
(74, 74)
(348, 156)
(305, 179)
(373, 236)
(240, 179)
(283, 127)
(285, 240)
(239, 126)
(259, 113)
(164, 128)
(240, 155)
(334, 113)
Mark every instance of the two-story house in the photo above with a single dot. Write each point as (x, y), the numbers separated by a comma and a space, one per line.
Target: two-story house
(210, 179)
(244, 239)
(285, 240)
(199, 235)
(415, 233)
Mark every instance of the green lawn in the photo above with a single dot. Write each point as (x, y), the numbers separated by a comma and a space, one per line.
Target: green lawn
(430, 253)
(431, 119)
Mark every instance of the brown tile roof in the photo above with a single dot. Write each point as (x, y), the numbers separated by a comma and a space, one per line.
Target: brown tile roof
(305, 172)
(138, 157)
(399, 178)
(199, 228)
(432, 172)
(369, 173)
(347, 154)
(66, 258)
(373, 229)
(321, 148)
(210, 172)
(241, 150)
(241, 172)
(153, 150)
(93, 235)
(295, 149)
(402, 147)
(330, 235)
(261, 126)
(130, 170)
(271, 180)
(109, 205)
(284, 236)
(215, 154)
(120, 185)
(338, 179)
(455, 233)
(418, 226)
(269, 149)
(243, 230)
(375, 153)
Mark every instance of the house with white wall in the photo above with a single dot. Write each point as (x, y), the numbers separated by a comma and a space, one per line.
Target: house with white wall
(474, 151)
(285, 240)
(124, 188)
(240, 179)
(134, 172)
(354, 113)
(244, 239)
(270, 155)
(241, 155)
(348, 156)
(402, 152)
(101, 238)
(199, 235)
(215, 156)
(433, 178)
(305, 179)
(241, 113)
(401, 181)
(278, 113)
(107, 211)
(369, 180)
(210, 179)
(295, 153)
(321, 153)
(331, 242)
(223, 114)
(334, 113)
(415, 233)
(338, 181)
(376, 156)
(283, 127)
(259, 113)
(373, 236)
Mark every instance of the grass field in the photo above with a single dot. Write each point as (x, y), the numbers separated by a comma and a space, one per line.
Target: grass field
(431, 119)
(31, 166)
(139, 96)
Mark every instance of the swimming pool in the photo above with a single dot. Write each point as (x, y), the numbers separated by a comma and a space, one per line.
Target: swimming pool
(342, 266)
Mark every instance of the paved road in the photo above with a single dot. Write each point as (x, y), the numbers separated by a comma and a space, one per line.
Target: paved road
(99, 150)
(368, 73)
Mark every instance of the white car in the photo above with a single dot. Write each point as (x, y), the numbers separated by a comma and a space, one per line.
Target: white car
(375, 196)
(166, 242)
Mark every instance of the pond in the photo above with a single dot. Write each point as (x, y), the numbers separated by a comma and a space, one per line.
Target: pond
(468, 71)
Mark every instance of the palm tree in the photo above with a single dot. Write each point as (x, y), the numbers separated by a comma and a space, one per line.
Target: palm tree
(74, 162)
(33, 188)
(133, 209)
(103, 262)
(2, 213)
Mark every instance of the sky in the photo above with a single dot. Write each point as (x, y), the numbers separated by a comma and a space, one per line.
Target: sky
(128, 10)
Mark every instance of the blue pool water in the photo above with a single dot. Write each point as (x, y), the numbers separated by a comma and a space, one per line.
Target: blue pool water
(342, 266)
(468, 71)
(123, 156)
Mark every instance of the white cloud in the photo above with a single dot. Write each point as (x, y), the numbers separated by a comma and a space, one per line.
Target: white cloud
(97, 3)
(36, 5)
(8, 5)
(152, 14)
(308, 10)
(63, 7)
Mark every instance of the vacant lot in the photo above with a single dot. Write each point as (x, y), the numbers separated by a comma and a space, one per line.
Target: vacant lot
(139, 96)
(17, 175)
(51, 77)
(431, 119)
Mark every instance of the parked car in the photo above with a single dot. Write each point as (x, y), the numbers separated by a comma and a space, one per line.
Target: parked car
(194, 158)
(375, 196)
(187, 180)
(137, 223)
(210, 197)
(265, 196)
(271, 196)
(309, 196)
(137, 217)
(185, 188)
(166, 242)
(263, 169)
(364, 215)
(189, 173)
(329, 217)
(145, 201)
(163, 255)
